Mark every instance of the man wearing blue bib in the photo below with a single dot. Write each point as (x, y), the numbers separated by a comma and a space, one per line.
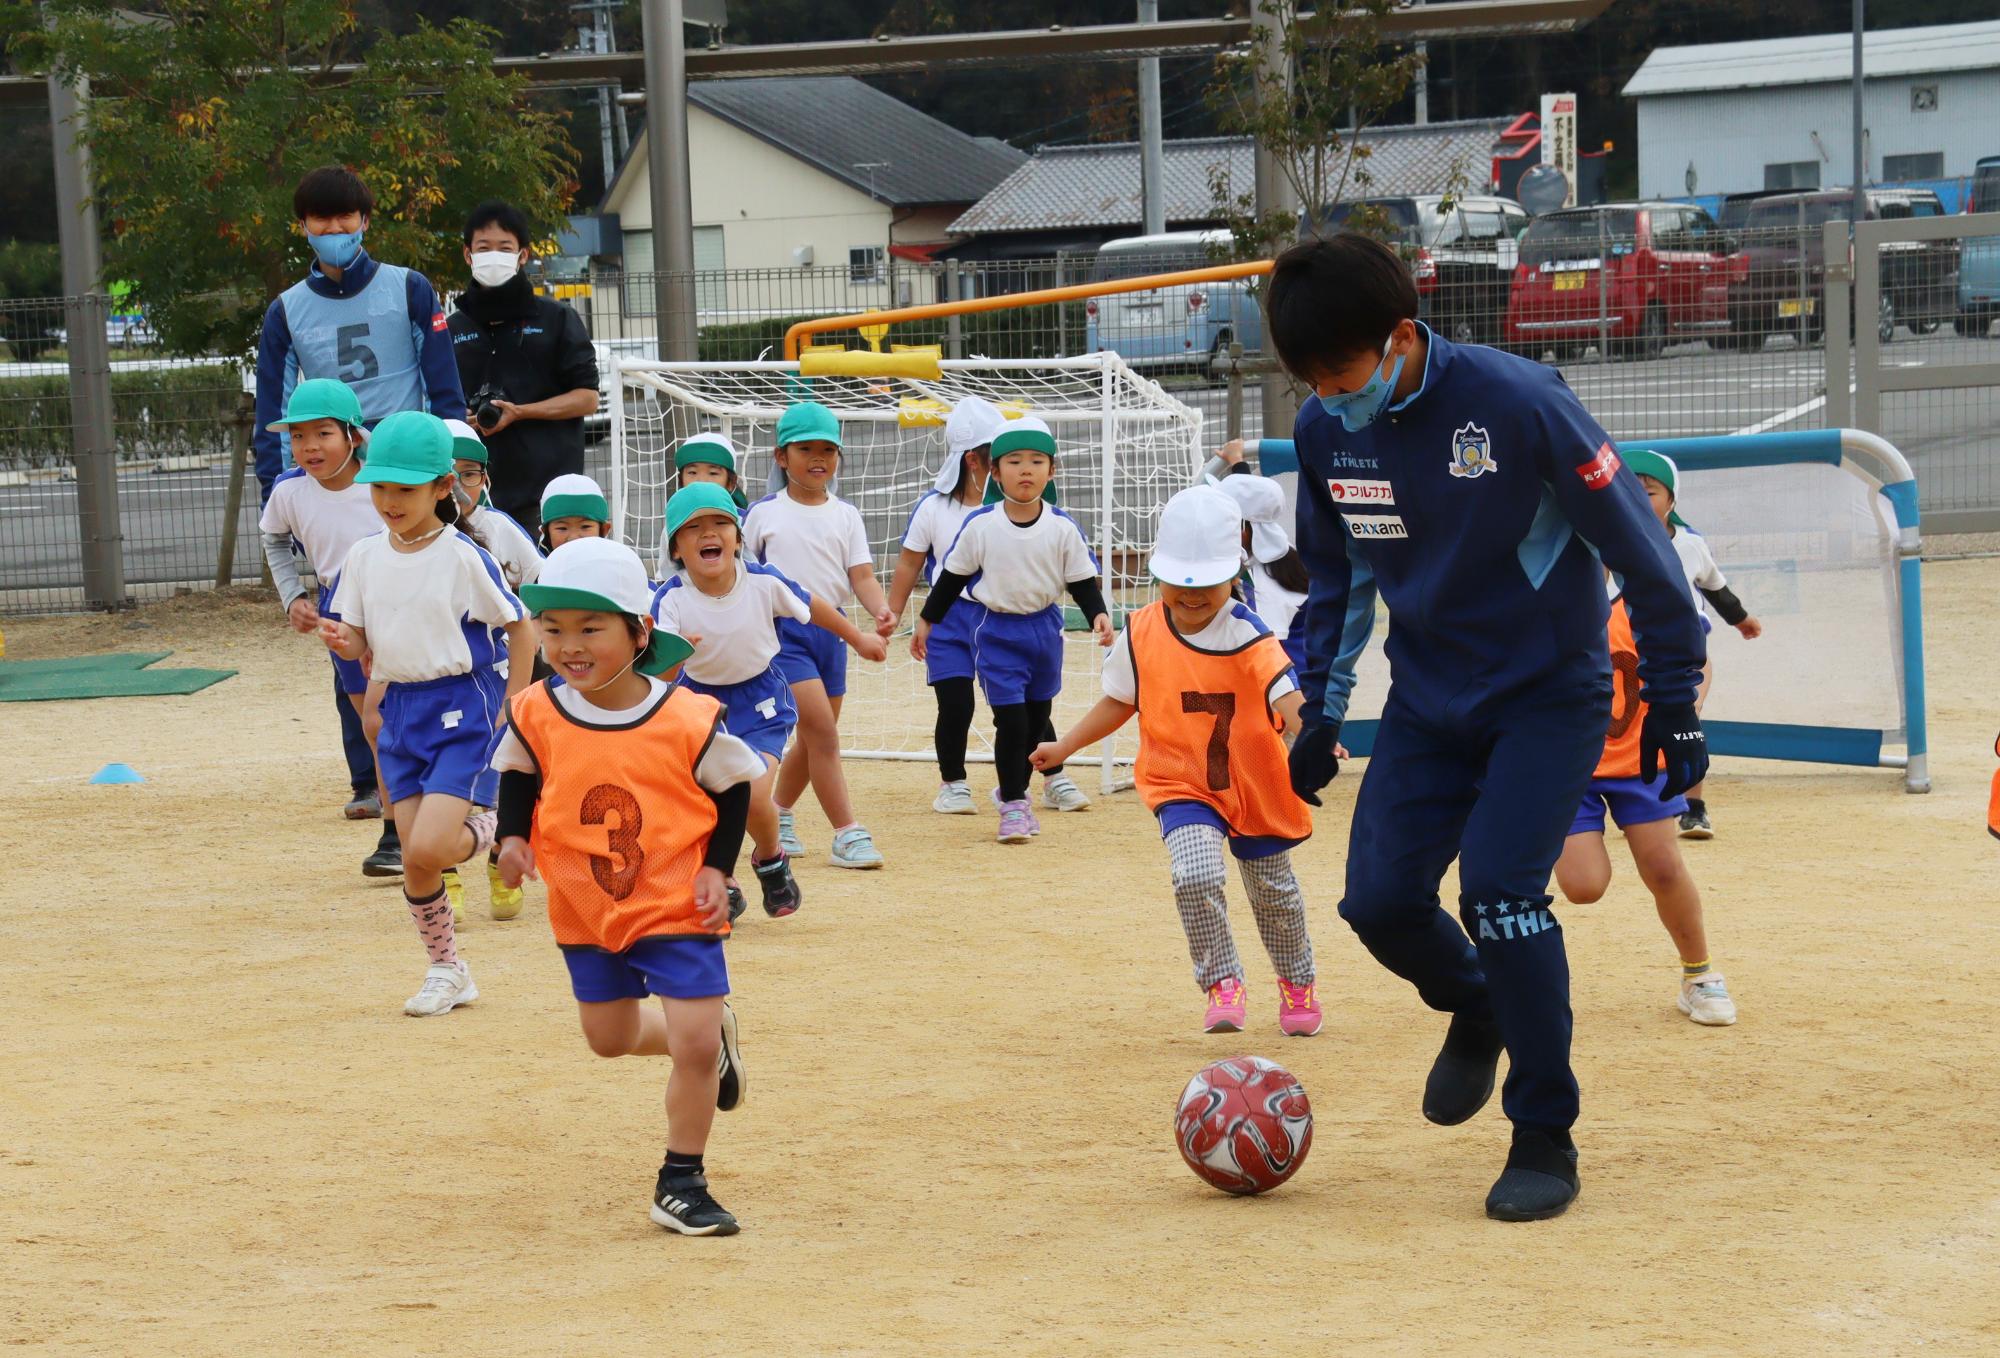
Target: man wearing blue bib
(1473, 492)
(380, 329)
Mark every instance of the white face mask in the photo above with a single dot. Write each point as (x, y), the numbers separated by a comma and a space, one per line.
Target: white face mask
(491, 268)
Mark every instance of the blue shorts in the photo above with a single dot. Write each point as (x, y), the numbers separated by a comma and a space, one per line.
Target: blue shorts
(759, 712)
(1018, 656)
(1629, 801)
(948, 653)
(681, 968)
(1174, 815)
(352, 680)
(809, 652)
(439, 736)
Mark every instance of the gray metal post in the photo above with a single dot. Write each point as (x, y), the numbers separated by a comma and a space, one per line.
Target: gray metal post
(232, 500)
(954, 324)
(1270, 19)
(1603, 293)
(1152, 156)
(1860, 149)
(665, 37)
(1232, 410)
(93, 441)
(1423, 81)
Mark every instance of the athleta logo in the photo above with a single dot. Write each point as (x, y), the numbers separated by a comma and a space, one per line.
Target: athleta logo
(1376, 526)
(1523, 920)
(1361, 492)
(1597, 472)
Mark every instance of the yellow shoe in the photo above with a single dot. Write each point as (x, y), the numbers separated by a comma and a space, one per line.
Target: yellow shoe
(507, 900)
(455, 890)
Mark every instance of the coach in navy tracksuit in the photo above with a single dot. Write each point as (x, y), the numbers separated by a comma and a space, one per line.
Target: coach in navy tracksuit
(1472, 490)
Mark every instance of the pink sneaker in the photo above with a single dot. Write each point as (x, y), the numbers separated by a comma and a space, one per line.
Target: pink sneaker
(1298, 1009)
(1027, 809)
(1225, 1007)
(1017, 822)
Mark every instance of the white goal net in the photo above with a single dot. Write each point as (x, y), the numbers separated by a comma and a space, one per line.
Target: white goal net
(1126, 446)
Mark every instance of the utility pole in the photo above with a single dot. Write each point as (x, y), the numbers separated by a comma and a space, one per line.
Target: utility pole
(93, 442)
(1270, 20)
(1423, 83)
(1152, 155)
(665, 37)
(1860, 147)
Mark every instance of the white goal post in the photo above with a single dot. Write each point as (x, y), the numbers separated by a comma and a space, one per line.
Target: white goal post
(1126, 445)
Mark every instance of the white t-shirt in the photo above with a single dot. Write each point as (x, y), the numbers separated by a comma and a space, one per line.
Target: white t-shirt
(1276, 605)
(1233, 628)
(814, 545)
(1022, 568)
(327, 523)
(726, 762)
(520, 559)
(934, 526)
(1697, 564)
(738, 630)
(428, 613)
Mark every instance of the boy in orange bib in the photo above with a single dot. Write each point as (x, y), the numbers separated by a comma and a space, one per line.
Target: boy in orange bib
(1215, 695)
(630, 799)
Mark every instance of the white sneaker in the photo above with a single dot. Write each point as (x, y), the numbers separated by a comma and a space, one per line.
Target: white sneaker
(445, 988)
(954, 799)
(1061, 793)
(1705, 999)
(788, 839)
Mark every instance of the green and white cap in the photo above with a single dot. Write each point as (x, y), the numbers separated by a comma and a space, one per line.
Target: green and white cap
(1646, 462)
(574, 496)
(321, 398)
(1025, 435)
(713, 449)
(598, 575)
(466, 445)
(409, 448)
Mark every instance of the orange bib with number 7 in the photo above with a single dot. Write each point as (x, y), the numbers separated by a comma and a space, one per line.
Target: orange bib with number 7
(1206, 730)
(622, 825)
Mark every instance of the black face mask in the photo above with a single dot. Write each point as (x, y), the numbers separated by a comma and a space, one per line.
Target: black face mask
(512, 300)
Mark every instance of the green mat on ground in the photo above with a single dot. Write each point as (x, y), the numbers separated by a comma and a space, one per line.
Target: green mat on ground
(123, 675)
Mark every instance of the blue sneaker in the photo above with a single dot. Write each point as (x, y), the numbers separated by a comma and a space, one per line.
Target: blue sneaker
(855, 848)
(788, 838)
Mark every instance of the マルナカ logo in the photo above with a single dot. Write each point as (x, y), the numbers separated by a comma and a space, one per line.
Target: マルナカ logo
(1472, 452)
(1598, 472)
(1348, 491)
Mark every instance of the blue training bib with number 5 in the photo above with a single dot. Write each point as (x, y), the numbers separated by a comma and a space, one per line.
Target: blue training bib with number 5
(366, 341)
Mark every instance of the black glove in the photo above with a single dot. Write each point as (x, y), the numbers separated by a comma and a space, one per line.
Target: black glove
(1313, 763)
(1672, 737)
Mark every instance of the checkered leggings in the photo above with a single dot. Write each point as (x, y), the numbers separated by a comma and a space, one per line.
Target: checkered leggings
(1201, 879)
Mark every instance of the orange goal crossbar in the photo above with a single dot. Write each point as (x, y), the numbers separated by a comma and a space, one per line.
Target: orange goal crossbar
(796, 336)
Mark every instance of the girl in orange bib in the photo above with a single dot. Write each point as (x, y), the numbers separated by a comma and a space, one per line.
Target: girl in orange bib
(629, 798)
(1215, 695)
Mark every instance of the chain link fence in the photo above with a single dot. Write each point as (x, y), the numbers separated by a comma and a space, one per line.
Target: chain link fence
(1664, 320)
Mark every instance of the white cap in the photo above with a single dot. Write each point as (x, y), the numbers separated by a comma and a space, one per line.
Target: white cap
(599, 568)
(973, 423)
(1263, 505)
(1200, 541)
(461, 430)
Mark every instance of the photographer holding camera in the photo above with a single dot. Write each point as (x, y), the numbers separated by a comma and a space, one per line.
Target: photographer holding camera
(526, 363)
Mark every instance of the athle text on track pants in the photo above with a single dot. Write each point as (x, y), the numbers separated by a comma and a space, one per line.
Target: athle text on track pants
(1498, 792)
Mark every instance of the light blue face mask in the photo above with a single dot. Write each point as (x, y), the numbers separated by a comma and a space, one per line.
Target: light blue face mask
(336, 248)
(1359, 409)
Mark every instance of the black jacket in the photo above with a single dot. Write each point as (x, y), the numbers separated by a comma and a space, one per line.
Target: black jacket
(526, 348)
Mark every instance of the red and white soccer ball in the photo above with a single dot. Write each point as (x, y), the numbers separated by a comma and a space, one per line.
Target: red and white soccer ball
(1244, 1124)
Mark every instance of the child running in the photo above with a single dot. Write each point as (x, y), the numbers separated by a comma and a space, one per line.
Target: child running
(731, 610)
(511, 545)
(1014, 560)
(1661, 478)
(319, 505)
(426, 599)
(1215, 695)
(934, 524)
(709, 457)
(818, 541)
(573, 506)
(629, 798)
(1584, 870)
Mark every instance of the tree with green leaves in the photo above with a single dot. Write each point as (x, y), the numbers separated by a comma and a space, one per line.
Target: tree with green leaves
(203, 118)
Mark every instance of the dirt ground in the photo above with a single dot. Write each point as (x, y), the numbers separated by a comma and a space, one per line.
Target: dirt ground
(218, 1133)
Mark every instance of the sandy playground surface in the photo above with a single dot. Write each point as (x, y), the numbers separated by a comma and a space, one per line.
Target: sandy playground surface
(219, 1134)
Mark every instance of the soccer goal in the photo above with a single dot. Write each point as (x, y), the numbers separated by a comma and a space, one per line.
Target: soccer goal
(1817, 531)
(1126, 446)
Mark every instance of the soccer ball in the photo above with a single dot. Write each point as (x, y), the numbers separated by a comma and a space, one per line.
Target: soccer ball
(1244, 1124)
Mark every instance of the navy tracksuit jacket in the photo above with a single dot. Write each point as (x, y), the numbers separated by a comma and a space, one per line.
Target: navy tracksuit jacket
(1483, 510)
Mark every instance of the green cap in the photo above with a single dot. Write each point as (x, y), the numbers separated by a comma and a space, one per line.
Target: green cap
(1646, 462)
(409, 448)
(1025, 435)
(806, 421)
(712, 449)
(321, 398)
(574, 496)
(703, 497)
(466, 445)
(598, 575)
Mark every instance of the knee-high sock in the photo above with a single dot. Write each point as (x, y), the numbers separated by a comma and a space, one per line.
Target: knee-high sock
(433, 919)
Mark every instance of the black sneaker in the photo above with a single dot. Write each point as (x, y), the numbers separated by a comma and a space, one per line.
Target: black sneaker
(737, 902)
(730, 1084)
(1540, 1180)
(782, 896)
(1461, 1079)
(1695, 824)
(387, 860)
(681, 1202)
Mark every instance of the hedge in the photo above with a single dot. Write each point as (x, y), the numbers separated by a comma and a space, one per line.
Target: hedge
(157, 412)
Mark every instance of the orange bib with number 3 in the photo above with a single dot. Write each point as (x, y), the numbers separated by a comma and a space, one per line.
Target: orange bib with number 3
(1206, 730)
(622, 825)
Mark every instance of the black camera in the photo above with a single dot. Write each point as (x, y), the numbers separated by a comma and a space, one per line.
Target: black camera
(485, 413)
